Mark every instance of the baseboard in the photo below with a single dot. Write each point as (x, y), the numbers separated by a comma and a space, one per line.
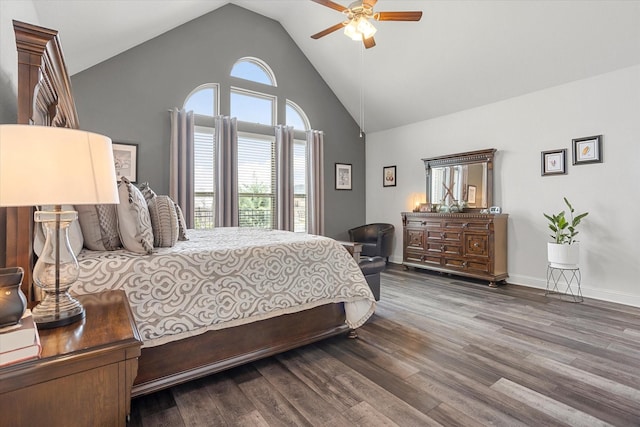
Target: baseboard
(587, 292)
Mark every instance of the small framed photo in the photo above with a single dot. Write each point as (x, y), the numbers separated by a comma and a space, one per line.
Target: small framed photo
(554, 162)
(125, 158)
(424, 207)
(343, 176)
(587, 150)
(471, 194)
(389, 176)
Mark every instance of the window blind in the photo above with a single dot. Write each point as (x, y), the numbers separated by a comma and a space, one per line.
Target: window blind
(256, 181)
(204, 161)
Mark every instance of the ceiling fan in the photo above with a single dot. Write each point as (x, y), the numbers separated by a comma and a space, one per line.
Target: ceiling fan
(358, 23)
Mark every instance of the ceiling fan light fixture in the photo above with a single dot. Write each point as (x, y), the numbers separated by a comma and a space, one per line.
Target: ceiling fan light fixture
(351, 31)
(366, 28)
(359, 28)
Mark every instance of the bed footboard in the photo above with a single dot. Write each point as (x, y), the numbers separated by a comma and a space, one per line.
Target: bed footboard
(214, 351)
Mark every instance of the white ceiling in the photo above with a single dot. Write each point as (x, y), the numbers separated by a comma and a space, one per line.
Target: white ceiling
(462, 54)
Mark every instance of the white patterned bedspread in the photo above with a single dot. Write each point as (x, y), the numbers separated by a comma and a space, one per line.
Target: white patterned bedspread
(227, 277)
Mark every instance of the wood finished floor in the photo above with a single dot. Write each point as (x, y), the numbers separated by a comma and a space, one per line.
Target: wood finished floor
(439, 351)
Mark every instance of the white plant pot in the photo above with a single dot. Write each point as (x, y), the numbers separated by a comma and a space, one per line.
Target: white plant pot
(563, 256)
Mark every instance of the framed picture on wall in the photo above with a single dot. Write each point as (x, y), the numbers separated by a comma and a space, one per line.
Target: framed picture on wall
(389, 176)
(587, 150)
(343, 176)
(125, 158)
(554, 162)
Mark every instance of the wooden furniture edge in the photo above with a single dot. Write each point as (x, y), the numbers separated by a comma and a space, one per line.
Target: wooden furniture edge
(159, 368)
(44, 98)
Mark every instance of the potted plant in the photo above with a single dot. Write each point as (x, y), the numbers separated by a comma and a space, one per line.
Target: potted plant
(564, 251)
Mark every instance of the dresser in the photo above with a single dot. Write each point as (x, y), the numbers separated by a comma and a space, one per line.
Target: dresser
(467, 244)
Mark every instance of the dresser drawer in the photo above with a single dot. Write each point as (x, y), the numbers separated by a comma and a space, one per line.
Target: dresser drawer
(476, 245)
(442, 235)
(423, 223)
(423, 258)
(468, 265)
(443, 247)
(414, 239)
(467, 224)
(413, 256)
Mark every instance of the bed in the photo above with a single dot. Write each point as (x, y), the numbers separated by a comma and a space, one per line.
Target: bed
(170, 289)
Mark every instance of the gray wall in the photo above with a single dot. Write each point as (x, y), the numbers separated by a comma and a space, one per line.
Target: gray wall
(127, 97)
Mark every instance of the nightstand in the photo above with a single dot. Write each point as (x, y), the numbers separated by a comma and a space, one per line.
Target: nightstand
(84, 374)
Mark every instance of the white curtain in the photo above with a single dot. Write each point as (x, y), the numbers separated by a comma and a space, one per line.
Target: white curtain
(284, 177)
(315, 182)
(181, 162)
(226, 173)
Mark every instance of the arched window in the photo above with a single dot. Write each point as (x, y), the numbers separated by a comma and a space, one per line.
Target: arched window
(256, 156)
(255, 70)
(203, 100)
(296, 117)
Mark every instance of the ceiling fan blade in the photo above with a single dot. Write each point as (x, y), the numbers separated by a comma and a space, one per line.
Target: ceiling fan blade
(370, 3)
(369, 43)
(331, 4)
(328, 31)
(398, 16)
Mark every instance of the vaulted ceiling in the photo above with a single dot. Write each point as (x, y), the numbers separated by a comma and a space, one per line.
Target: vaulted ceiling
(462, 54)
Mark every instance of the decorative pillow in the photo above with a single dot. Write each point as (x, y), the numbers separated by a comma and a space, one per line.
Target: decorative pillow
(75, 233)
(164, 221)
(182, 224)
(134, 222)
(147, 192)
(99, 224)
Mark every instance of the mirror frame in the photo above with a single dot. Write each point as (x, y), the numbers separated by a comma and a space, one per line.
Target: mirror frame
(480, 156)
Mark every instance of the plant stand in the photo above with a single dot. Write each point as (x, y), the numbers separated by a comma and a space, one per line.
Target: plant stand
(561, 277)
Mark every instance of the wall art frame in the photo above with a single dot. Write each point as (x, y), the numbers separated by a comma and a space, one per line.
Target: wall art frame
(587, 150)
(343, 176)
(125, 158)
(554, 162)
(389, 176)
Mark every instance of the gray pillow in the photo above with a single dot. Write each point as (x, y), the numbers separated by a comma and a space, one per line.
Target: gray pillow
(147, 192)
(164, 221)
(134, 221)
(182, 224)
(99, 224)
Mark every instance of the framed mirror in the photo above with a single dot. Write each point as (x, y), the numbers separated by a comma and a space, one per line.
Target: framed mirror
(464, 179)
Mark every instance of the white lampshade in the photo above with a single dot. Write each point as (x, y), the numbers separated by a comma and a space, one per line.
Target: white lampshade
(41, 165)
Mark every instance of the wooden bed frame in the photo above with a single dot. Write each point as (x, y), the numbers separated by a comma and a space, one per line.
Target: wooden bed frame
(45, 98)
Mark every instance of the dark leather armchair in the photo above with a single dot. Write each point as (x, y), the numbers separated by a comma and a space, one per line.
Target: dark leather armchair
(376, 239)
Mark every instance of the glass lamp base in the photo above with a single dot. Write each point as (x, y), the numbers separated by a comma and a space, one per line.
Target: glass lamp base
(57, 310)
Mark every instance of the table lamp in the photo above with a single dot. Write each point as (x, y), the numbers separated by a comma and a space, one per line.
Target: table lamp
(50, 166)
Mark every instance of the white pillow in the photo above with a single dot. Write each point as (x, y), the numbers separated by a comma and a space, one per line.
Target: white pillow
(164, 220)
(99, 225)
(134, 222)
(75, 233)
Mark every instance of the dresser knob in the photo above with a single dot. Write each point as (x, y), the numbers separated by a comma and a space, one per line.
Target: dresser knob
(476, 245)
(465, 225)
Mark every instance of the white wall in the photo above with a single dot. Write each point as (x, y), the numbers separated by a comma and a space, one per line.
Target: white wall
(520, 128)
